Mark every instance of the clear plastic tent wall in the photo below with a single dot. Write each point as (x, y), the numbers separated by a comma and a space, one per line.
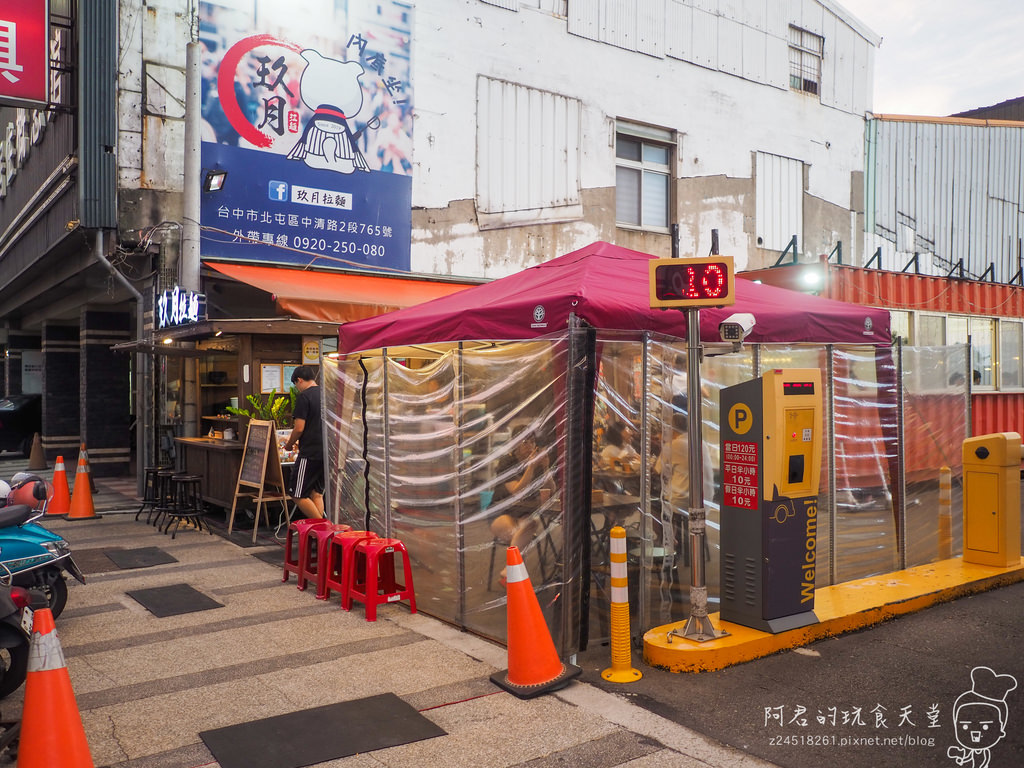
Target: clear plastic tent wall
(462, 452)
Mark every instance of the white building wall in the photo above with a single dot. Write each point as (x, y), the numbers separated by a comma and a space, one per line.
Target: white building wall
(715, 71)
(151, 94)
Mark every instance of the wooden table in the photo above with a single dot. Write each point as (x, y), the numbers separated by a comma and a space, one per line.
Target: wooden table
(216, 461)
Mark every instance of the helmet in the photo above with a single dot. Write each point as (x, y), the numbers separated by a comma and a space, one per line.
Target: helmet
(23, 492)
(5, 490)
(20, 478)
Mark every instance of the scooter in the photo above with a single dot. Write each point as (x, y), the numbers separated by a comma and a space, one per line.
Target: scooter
(16, 608)
(33, 557)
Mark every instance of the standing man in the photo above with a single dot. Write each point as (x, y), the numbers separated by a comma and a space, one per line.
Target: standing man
(306, 483)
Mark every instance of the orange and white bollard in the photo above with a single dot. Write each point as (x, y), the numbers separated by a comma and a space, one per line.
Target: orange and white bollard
(945, 513)
(621, 670)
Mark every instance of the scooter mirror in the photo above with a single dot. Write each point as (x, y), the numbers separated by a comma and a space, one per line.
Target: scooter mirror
(39, 490)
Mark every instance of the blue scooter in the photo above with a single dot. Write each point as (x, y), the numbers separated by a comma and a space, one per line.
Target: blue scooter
(33, 557)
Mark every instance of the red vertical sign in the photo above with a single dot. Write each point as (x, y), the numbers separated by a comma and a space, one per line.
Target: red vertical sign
(739, 475)
(25, 52)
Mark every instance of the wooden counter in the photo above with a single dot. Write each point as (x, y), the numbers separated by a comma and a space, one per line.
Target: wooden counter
(216, 461)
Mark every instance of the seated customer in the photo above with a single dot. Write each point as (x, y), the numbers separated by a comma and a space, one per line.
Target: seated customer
(518, 471)
(617, 452)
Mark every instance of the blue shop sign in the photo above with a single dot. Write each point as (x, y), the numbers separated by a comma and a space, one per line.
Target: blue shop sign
(313, 128)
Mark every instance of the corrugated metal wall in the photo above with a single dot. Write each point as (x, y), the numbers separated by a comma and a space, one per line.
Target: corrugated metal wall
(746, 38)
(97, 113)
(1012, 109)
(556, 7)
(953, 189)
(528, 148)
(780, 195)
(897, 290)
(997, 412)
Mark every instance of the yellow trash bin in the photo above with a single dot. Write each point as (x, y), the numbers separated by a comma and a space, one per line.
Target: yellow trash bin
(992, 499)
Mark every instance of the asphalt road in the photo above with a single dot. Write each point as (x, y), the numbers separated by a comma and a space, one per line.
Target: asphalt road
(883, 696)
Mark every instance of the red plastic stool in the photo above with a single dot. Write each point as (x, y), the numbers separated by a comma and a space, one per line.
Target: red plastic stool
(379, 584)
(315, 567)
(340, 550)
(315, 553)
(302, 529)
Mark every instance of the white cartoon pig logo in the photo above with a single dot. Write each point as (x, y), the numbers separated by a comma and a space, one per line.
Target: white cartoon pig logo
(332, 90)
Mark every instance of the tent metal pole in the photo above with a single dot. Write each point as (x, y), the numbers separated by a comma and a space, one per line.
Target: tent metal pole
(901, 465)
(645, 486)
(366, 444)
(386, 511)
(460, 524)
(830, 433)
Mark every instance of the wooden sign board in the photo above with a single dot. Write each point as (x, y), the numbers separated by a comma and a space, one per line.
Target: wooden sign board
(260, 477)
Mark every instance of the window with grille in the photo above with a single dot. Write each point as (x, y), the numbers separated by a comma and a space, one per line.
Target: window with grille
(805, 52)
(643, 174)
(1011, 345)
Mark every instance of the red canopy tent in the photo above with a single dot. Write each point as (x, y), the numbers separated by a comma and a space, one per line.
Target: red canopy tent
(607, 287)
(603, 287)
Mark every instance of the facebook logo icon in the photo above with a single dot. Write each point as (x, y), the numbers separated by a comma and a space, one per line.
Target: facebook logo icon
(278, 191)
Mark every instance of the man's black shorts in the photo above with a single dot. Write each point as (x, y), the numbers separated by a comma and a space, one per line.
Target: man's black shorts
(307, 477)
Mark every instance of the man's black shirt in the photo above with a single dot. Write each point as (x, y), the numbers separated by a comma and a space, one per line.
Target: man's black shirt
(307, 407)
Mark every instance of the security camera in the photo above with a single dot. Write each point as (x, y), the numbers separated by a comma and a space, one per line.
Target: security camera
(737, 327)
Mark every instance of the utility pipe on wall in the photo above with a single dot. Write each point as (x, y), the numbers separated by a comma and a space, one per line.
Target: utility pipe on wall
(188, 268)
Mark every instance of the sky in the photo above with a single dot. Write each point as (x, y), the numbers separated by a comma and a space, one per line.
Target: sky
(939, 57)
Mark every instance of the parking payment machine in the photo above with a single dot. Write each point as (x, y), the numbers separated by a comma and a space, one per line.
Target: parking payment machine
(771, 463)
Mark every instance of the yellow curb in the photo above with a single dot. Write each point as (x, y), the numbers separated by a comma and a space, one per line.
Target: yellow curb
(841, 608)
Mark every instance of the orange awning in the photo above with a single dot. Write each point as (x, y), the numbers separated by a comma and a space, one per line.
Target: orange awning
(336, 296)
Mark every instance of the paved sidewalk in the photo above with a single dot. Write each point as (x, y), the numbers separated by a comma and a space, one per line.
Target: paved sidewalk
(147, 686)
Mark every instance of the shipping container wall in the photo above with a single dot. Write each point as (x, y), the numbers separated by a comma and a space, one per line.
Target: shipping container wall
(897, 290)
(997, 412)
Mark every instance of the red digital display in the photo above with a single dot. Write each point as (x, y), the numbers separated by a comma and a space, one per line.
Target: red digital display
(692, 282)
(798, 387)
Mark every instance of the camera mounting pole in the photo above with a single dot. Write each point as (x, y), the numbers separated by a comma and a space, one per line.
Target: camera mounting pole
(698, 626)
(690, 284)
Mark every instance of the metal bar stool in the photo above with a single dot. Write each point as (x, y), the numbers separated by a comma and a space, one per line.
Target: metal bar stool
(149, 491)
(188, 504)
(164, 497)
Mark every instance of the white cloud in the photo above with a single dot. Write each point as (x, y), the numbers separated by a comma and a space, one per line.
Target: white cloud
(938, 57)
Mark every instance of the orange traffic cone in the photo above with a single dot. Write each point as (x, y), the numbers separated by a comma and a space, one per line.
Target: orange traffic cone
(81, 499)
(533, 664)
(36, 459)
(60, 502)
(52, 733)
(84, 454)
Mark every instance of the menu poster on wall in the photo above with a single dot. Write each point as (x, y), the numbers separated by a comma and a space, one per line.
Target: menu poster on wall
(32, 371)
(307, 106)
(271, 379)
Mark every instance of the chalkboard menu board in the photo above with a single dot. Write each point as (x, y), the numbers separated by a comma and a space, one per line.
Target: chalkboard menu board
(254, 456)
(260, 477)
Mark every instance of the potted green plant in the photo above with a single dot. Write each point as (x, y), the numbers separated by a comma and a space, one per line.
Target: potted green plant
(274, 407)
